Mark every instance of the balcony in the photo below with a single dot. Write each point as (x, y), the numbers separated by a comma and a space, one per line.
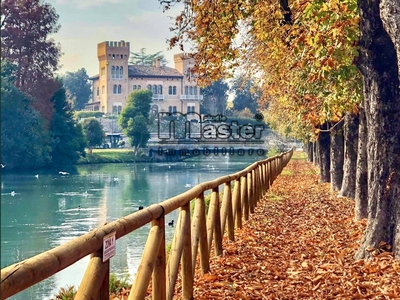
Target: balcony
(158, 97)
(191, 97)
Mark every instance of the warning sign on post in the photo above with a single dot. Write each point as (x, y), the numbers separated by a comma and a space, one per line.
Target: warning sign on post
(109, 243)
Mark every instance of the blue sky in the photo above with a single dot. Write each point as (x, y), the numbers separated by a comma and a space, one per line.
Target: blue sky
(85, 23)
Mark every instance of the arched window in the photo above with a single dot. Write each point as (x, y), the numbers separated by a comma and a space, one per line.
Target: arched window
(119, 109)
(134, 87)
(192, 108)
(174, 90)
(154, 90)
(113, 72)
(149, 87)
(119, 89)
(170, 90)
(159, 90)
(122, 56)
(174, 109)
(139, 87)
(114, 109)
(97, 91)
(195, 90)
(170, 109)
(114, 89)
(191, 90)
(186, 90)
(121, 72)
(188, 109)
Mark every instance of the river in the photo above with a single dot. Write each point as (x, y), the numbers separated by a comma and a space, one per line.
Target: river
(42, 210)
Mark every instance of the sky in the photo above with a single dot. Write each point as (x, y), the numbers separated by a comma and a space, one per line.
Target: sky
(85, 23)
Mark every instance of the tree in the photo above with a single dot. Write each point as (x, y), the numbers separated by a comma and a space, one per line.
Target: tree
(24, 140)
(94, 132)
(380, 65)
(304, 54)
(134, 118)
(67, 142)
(246, 94)
(215, 98)
(78, 88)
(143, 59)
(25, 29)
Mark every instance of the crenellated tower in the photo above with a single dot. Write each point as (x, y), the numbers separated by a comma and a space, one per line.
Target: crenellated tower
(113, 75)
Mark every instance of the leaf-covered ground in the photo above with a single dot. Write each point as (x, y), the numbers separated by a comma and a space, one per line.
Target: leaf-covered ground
(299, 244)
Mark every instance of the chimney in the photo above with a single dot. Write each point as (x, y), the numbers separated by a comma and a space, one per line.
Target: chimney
(157, 62)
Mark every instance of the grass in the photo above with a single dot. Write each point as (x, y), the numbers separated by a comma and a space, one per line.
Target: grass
(117, 283)
(299, 155)
(110, 156)
(67, 293)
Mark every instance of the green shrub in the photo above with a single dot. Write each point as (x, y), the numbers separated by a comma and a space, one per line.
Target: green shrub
(88, 114)
(119, 283)
(67, 293)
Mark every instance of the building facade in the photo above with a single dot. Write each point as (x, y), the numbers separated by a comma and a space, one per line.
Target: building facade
(173, 91)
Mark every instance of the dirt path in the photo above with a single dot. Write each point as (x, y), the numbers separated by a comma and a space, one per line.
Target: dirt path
(299, 244)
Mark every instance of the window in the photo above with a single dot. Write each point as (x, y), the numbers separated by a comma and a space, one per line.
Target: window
(121, 72)
(159, 90)
(154, 89)
(114, 110)
(149, 87)
(114, 89)
(103, 71)
(174, 90)
(170, 90)
(174, 109)
(103, 88)
(97, 91)
(119, 89)
(134, 87)
(186, 90)
(190, 109)
(170, 109)
(139, 87)
(119, 109)
(113, 56)
(122, 56)
(191, 90)
(195, 90)
(113, 72)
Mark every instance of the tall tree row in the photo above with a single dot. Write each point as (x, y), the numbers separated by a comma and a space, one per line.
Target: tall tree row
(330, 71)
(37, 127)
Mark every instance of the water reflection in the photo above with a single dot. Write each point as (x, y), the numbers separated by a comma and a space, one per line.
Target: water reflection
(51, 209)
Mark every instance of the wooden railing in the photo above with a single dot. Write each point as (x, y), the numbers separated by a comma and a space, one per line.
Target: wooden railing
(192, 235)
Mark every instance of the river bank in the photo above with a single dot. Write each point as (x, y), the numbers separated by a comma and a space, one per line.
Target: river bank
(100, 156)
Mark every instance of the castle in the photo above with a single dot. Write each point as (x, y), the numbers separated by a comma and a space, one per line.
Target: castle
(173, 91)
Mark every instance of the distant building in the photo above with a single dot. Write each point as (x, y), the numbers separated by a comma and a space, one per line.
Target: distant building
(172, 89)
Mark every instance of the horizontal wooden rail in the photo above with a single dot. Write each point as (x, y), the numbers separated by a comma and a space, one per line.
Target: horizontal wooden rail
(249, 186)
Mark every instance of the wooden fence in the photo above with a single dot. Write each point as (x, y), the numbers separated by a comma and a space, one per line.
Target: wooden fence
(193, 234)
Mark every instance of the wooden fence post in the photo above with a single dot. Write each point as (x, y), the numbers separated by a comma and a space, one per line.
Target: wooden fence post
(250, 190)
(186, 271)
(244, 197)
(199, 235)
(226, 211)
(237, 204)
(159, 277)
(145, 269)
(93, 282)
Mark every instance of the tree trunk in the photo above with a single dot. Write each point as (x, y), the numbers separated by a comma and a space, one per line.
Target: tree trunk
(310, 151)
(316, 153)
(324, 156)
(379, 66)
(337, 156)
(361, 195)
(350, 156)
